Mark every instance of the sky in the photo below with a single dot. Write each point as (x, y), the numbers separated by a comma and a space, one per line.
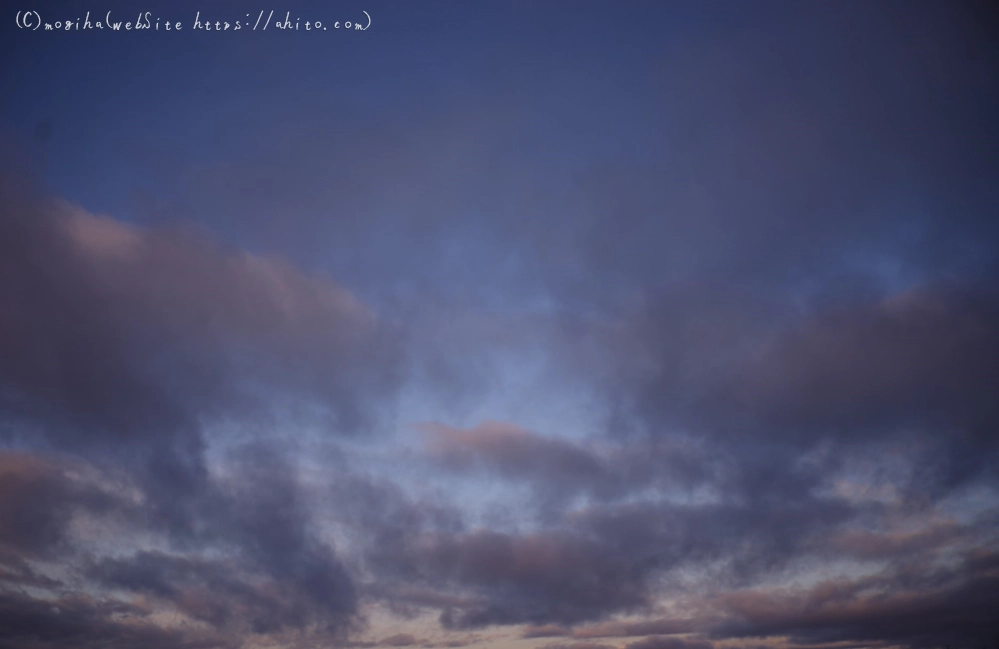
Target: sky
(500, 325)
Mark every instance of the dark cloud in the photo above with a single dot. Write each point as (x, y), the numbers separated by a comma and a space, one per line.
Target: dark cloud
(82, 621)
(460, 643)
(121, 346)
(873, 374)
(506, 579)
(247, 558)
(919, 359)
(771, 508)
(576, 645)
(560, 469)
(618, 629)
(534, 579)
(126, 333)
(16, 571)
(37, 503)
(235, 595)
(275, 573)
(938, 605)
(481, 577)
(545, 631)
(519, 455)
(664, 642)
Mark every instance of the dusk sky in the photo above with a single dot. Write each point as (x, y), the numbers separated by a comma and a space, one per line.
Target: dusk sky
(499, 325)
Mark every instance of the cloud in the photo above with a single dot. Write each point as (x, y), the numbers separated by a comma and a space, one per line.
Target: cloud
(915, 604)
(82, 621)
(576, 645)
(537, 579)
(662, 642)
(116, 333)
(618, 629)
(921, 357)
(275, 571)
(38, 500)
(245, 557)
(480, 577)
(545, 631)
(781, 324)
(121, 348)
(781, 484)
(869, 373)
(559, 469)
